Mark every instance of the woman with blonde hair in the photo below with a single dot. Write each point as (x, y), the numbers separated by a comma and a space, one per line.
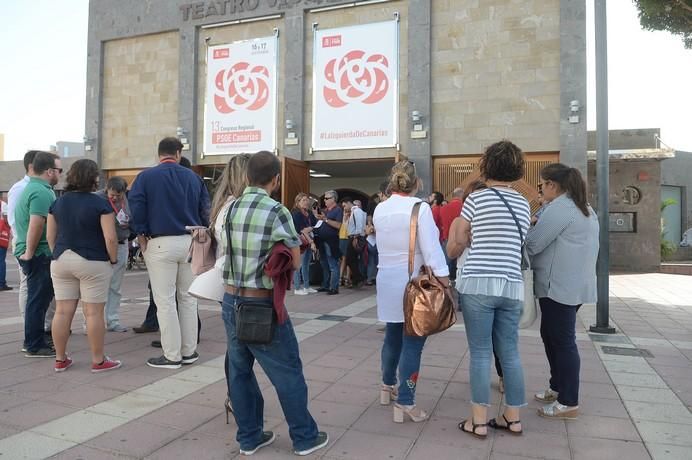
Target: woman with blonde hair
(304, 221)
(392, 229)
(231, 185)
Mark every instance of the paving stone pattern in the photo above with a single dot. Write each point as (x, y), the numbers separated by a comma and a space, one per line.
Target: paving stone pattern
(634, 406)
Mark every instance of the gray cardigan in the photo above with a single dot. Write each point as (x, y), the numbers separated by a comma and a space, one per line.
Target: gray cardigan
(563, 246)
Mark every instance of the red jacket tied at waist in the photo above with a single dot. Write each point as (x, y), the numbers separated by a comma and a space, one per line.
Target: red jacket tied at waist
(279, 268)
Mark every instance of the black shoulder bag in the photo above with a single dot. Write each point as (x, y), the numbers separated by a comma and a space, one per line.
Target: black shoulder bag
(254, 321)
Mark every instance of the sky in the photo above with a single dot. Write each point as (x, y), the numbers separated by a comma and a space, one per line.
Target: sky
(43, 45)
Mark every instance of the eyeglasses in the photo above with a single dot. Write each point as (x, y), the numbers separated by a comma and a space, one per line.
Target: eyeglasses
(59, 170)
(328, 197)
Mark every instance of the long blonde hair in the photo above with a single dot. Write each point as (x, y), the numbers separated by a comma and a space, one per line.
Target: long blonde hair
(232, 183)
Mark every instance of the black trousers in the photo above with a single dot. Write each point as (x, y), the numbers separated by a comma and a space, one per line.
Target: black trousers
(353, 262)
(559, 338)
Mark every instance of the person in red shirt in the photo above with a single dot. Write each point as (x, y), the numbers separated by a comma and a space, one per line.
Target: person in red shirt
(448, 213)
(435, 200)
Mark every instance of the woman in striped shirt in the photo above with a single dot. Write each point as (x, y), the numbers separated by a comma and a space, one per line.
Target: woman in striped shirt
(494, 222)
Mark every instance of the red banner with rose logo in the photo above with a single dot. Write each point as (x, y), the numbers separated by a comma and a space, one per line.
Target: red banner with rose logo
(356, 87)
(240, 100)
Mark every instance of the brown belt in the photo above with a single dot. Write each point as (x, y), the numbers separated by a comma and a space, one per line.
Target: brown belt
(248, 292)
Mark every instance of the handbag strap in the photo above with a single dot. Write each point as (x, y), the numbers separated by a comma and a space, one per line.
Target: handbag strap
(511, 211)
(525, 261)
(412, 237)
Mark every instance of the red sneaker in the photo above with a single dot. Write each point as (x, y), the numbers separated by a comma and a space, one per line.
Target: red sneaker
(107, 365)
(61, 366)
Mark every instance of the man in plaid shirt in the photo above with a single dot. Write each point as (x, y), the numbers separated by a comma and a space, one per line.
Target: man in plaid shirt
(256, 223)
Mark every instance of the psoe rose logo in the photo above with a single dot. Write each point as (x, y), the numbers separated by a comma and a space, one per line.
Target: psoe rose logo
(241, 88)
(356, 78)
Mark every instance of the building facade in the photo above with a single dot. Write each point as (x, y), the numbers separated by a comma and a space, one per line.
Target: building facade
(468, 73)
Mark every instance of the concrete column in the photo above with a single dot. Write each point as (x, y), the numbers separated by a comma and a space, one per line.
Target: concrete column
(573, 82)
(94, 90)
(419, 89)
(294, 55)
(187, 88)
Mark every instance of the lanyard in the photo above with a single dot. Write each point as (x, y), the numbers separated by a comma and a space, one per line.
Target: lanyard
(114, 208)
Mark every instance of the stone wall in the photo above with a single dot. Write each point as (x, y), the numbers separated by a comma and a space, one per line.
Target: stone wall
(638, 251)
(140, 98)
(495, 74)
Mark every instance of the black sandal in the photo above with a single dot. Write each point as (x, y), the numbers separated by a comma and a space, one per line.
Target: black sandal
(493, 424)
(462, 427)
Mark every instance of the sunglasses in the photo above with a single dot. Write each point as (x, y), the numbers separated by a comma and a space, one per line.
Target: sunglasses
(59, 170)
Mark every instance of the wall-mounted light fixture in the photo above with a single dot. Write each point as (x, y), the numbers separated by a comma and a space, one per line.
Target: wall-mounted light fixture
(574, 108)
(291, 136)
(181, 133)
(88, 143)
(417, 124)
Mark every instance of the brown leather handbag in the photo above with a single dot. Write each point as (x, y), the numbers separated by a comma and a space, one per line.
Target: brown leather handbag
(429, 307)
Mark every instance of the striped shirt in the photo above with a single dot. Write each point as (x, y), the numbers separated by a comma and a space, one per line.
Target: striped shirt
(496, 244)
(255, 222)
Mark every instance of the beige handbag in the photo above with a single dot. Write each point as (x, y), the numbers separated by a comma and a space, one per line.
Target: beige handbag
(202, 255)
(429, 307)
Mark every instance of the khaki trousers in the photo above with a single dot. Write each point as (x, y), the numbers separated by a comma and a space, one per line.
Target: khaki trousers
(171, 276)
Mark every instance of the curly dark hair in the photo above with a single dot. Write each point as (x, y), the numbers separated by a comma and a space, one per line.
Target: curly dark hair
(502, 161)
(82, 176)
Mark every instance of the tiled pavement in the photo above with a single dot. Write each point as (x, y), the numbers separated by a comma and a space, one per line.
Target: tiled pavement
(633, 406)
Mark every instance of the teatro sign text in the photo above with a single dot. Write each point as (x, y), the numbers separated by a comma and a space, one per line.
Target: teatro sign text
(202, 10)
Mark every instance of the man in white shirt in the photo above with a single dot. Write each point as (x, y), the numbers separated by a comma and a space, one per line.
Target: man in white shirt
(13, 197)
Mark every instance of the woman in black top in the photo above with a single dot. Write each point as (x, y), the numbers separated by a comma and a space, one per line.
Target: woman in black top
(304, 221)
(81, 234)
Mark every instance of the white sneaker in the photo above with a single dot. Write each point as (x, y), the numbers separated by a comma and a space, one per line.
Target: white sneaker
(300, 292)
(310, 290)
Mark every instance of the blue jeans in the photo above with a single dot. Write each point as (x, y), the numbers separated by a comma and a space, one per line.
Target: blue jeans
(403, 352)
(372, 262)
(493, 323)
(280, 360)
(3, 267)
(330, 267)
(304, 272)
(39, 295)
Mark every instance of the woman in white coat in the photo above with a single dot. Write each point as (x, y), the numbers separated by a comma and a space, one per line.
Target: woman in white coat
(391, 221)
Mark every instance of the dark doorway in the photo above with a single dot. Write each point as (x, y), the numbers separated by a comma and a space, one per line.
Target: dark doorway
(354, 194)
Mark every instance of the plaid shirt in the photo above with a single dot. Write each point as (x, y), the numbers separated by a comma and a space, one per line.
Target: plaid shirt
(256, 222)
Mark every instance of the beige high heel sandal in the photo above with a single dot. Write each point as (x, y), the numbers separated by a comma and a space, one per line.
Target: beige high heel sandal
(387, 393)
(416, 414)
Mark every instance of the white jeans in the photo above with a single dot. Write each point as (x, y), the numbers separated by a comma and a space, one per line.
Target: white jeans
(114, 292)
(171, 276)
